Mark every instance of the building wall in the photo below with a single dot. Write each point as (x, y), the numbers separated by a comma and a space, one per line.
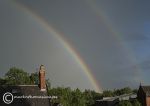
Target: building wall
(148, 101)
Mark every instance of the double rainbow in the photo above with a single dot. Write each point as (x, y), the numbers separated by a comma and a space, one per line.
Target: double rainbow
(64, 42)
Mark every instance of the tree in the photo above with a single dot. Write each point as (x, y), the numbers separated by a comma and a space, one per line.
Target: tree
(48, 83)
(136, 103)
(2, 81)
(89, 97)
(67, 97)
(96, 96)
(135, 91)
(34, 77)
(16, 76)
(126, 90)
(125, 103)
(122, 91)
(64, 96)
(108, 93)
(78, 98)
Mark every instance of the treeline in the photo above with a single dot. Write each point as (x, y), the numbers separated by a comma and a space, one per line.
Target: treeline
(118, 92)
(69, 97)
(130, 103)
(66, 96)
(16, 76)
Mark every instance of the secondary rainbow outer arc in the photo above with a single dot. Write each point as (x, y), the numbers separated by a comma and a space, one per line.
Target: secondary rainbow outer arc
(117, 35)
(68, 46)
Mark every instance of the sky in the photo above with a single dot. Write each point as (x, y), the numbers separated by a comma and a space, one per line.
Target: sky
(112, 37)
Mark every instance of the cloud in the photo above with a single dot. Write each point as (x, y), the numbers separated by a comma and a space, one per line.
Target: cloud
(145, 65)
(136, 37)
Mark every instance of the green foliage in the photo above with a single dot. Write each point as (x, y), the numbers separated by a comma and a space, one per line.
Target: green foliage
(3, 81)
(89, 97)
(122, 91)
(136, 103)
(68, 97)
(17, 76)
(128, 103)
(64, 95)
(34, 77)
(108, 93)
(96, 96)
(78, 98)
(48, 83)
(125, 103)
(135, 91)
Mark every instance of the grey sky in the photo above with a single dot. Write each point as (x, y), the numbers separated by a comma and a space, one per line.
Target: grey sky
(115, 60)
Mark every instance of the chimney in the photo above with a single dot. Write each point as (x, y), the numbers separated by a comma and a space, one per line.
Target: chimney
(42, 78)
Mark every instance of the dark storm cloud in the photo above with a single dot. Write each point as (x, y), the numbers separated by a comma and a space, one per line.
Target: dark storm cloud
(110, 59)
(136, 37)
(145, 65)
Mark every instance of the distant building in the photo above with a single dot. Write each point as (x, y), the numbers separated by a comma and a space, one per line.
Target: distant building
(113, 101)
(27, 90)
(144, 95)
(127, 97)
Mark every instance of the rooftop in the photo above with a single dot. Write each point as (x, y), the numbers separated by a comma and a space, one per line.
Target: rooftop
(25, 90)
(146, 90)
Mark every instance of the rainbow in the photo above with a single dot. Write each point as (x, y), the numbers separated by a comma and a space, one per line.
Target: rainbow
(118, 37)
(64, 42)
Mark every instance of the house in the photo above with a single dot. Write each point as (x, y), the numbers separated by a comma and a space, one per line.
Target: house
(144, 95)
(27, 95)
(127, 97)
(113, 101)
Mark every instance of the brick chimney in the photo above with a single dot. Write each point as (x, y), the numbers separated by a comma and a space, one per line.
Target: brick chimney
(42, 78)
